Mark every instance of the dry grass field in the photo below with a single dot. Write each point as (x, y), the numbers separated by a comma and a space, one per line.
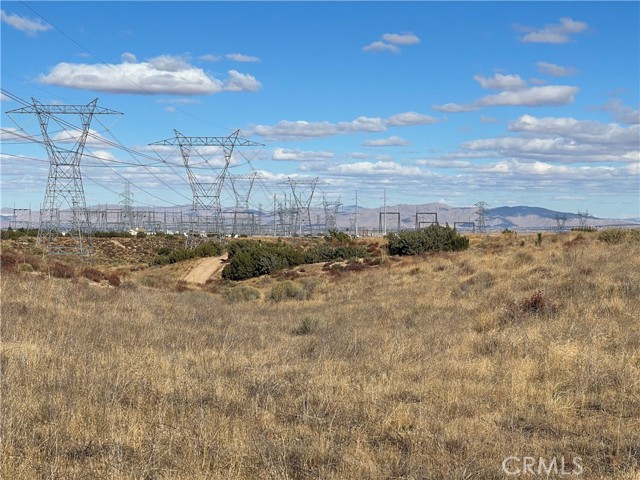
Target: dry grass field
(433, 367)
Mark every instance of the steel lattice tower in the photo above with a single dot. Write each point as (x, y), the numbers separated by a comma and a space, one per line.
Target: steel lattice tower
(331, 210)
(481, 216)
(128, 219)
(64, 185)
(206, 216)
(242, 192)
(302, 202)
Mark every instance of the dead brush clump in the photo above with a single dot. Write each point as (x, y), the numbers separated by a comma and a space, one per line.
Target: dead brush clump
(92, 274)
(60, 269)
(536, 304)
(9, 261)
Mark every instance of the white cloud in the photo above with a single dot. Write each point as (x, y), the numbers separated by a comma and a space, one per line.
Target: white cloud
(287, 130)
(393, 141)
(11, 133)
(103, 155)
(401, 38)
(454, 108)
(209, 58)
(363, 156)
(291, 130)
(622, 113)
(485, 119)
(379, 46)
(564, 140)
(164, 74)
(377, 168)
(281, 154)
(241, 82)
(537, 81)
(170, 109)
(443, 163)
(501, 82)
(390, 42)
(633, 169)
(94, 138)
(363, 124)
(26, 25)
(410, 118)
(515, 92)
(554, 32)
(594, 133)
(239, 57)
(128, 57)
(532, 97)
(555, 70)
(542, 169)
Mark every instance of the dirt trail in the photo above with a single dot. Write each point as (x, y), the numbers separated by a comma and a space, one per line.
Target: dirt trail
(118, 244)
(204, 269)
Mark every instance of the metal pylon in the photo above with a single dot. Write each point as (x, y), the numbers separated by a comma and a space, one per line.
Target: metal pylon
(243, 220)
(64, 209)
(331, 210)
(481, 216)
(302, 198)
(206, 180)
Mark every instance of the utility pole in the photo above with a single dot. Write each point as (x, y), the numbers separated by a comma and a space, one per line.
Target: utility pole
(384, 217)
(275, 221)
(356, 213)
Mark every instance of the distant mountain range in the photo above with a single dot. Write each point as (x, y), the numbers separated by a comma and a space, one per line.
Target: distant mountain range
(499, 218)
(514, 218)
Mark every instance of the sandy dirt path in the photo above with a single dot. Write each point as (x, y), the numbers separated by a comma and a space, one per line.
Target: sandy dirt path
(204, 269)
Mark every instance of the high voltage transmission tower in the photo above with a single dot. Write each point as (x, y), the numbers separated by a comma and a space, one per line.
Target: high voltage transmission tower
(206, 216)
(583, 217)
(64, 185)
(128, 219)
(331, 210)
(243, 220)
(302, 197)
(481, 217)
(560, 221)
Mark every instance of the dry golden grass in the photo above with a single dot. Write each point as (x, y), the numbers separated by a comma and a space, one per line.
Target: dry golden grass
(436, 367)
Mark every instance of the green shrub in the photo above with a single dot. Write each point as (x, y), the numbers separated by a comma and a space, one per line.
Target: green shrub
(166, 256)
(11, 234)
(241, 293)
(288, 290)
(112, 234)
(613, 235)
(309, 324)
(431, 239)
(249, 259)
(310, 285)
(338, 237)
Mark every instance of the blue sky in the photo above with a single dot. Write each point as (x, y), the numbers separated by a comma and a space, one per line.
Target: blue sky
(511, 103)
